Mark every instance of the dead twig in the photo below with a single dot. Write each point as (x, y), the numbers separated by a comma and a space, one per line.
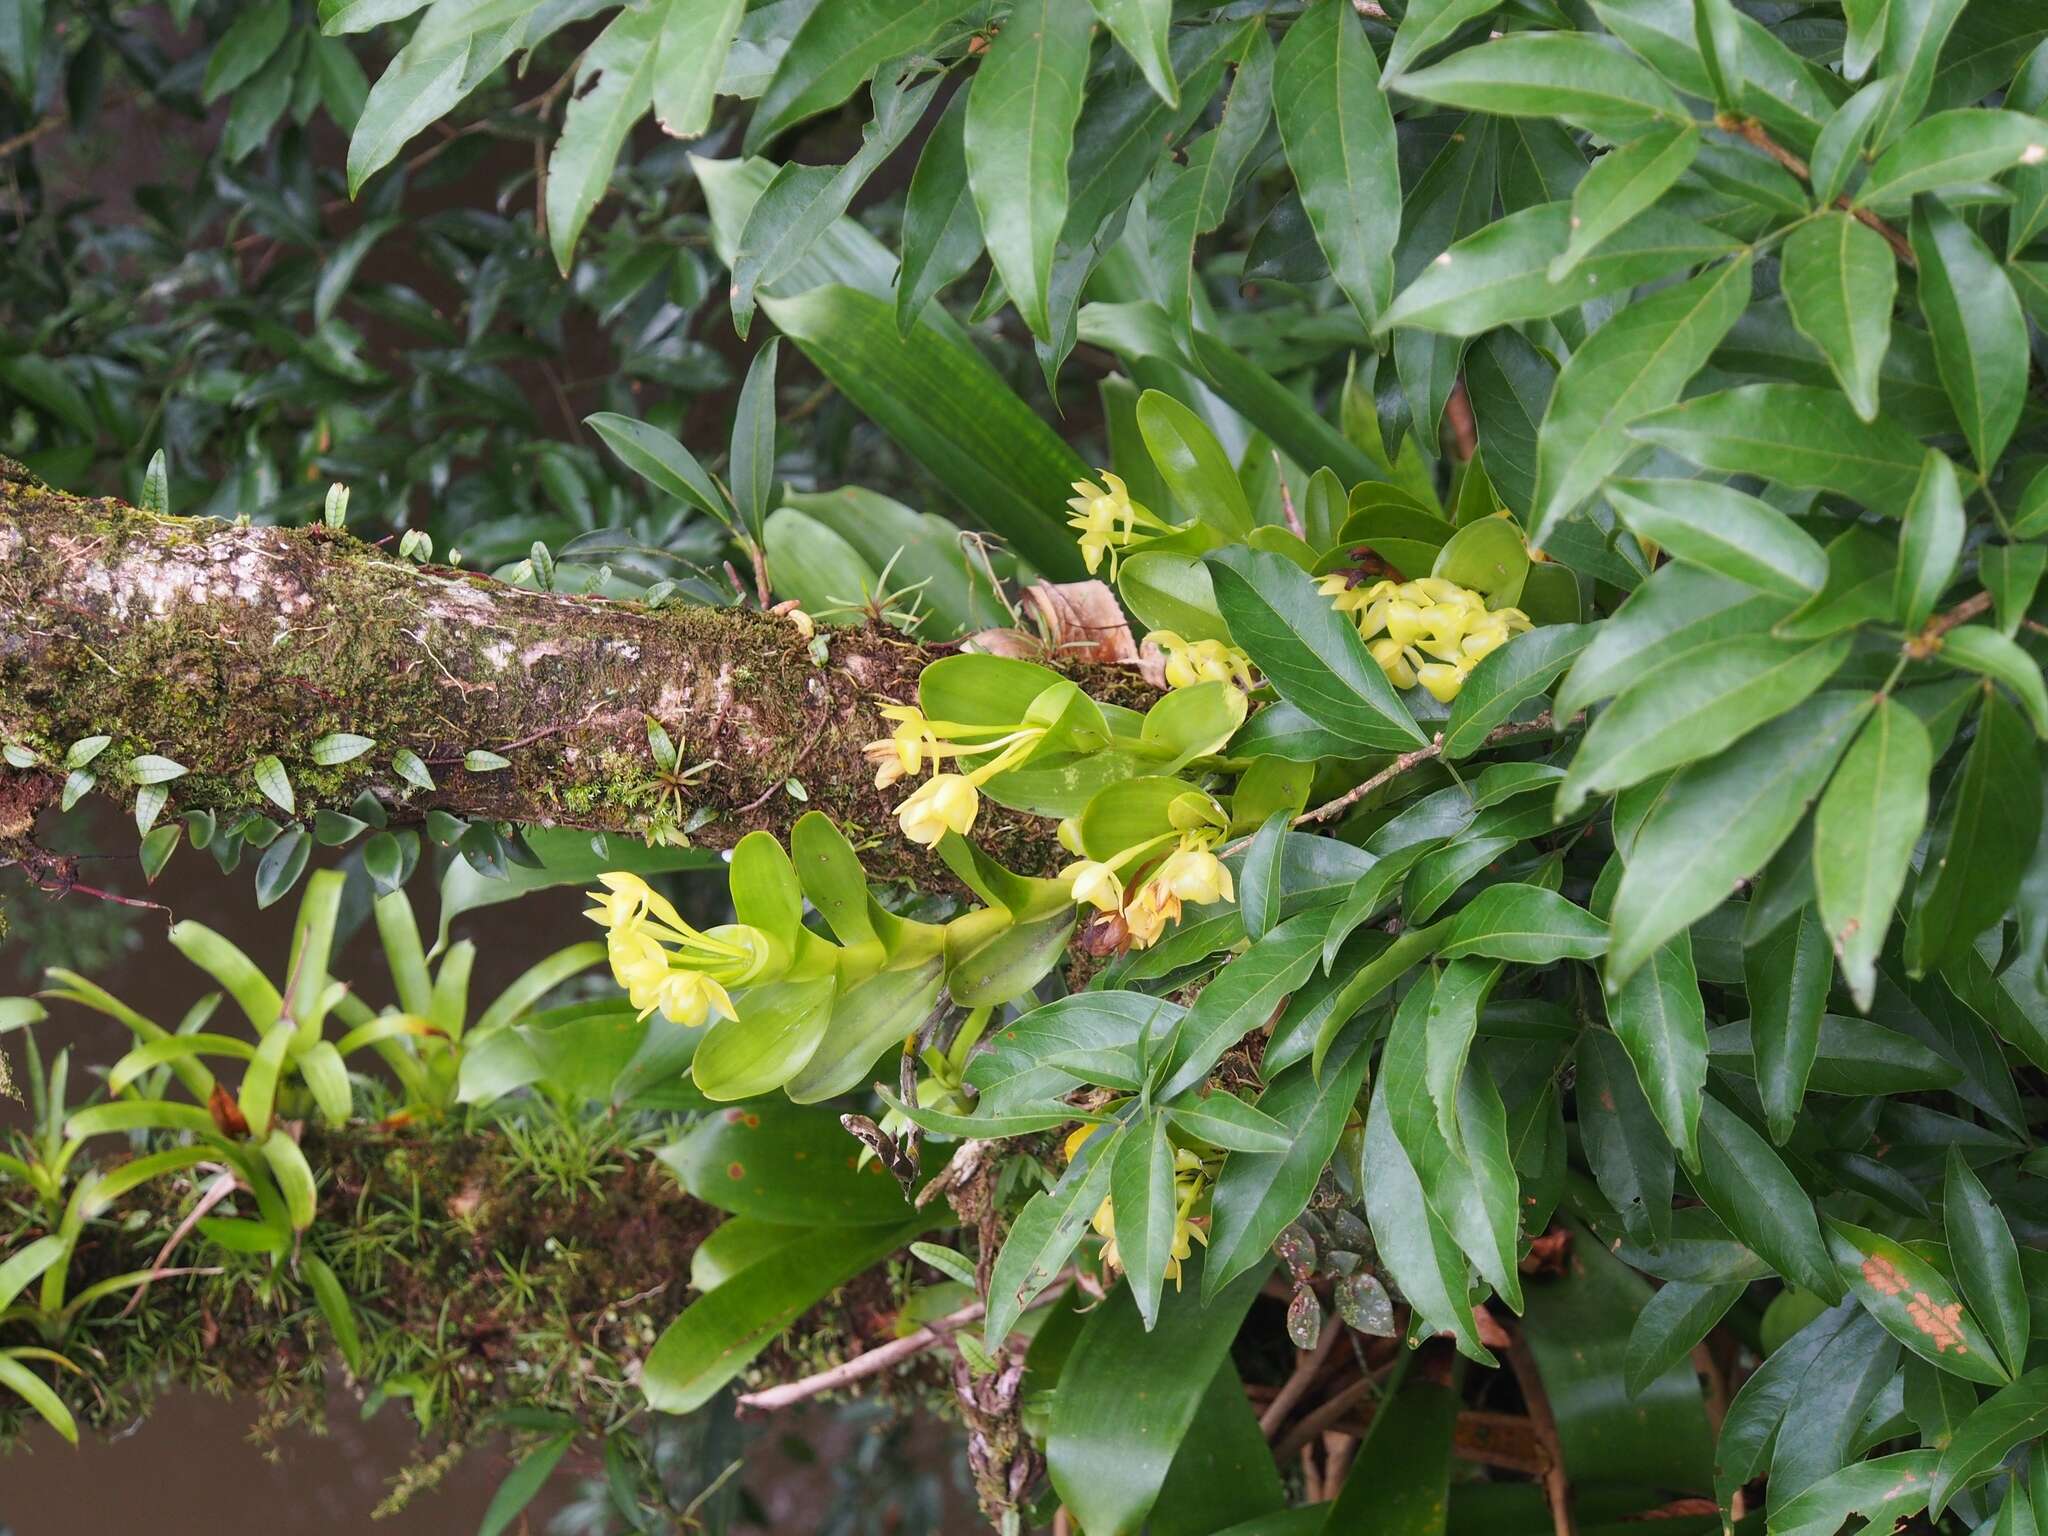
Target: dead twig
(1309, 1364)
(1557, 1488)
(883, 1356)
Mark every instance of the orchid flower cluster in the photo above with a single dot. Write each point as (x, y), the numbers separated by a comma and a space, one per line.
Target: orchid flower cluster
(1407, 623)
(664, 963)
(1190, 663)
(1190, 1186)
(1190, 872)
(946, 802)
(1108, 521)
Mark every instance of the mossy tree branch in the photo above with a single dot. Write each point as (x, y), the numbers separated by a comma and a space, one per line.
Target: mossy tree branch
(217, 645)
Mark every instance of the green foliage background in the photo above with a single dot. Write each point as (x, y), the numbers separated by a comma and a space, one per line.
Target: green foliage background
(1703, 932)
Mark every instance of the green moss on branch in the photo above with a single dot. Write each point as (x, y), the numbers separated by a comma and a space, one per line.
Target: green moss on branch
(218, 646)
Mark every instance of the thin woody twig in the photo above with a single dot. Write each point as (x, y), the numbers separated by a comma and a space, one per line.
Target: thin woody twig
(1928, 641)
(1411, 760)
(1557, 1488)
(28, 136)
(883, 1356)
(1760, 136)
(1309, 1364)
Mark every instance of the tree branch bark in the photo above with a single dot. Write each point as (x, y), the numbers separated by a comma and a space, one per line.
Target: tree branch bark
(217, 645)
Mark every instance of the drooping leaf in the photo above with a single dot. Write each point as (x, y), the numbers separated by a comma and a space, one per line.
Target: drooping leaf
(1989, 820)
(1258, 1193)
(1639, 360)
(1311, 653)
(950, 410)
(619, 72)
(1788, 974)
(1745, 1183)
(1108, 1448)
(1840, 279)
(1339, 136)
(1987, 1261)
(1929, 542)
(1979, 330)
(837, 48)
(1021, 111)
(1864, 832)
(1718, 821)
(689, 57)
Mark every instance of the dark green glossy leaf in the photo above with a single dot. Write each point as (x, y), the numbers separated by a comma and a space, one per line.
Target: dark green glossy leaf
(1141, 1184)
(1639, 360)
(1415, 1245)
(1987, 1261)
(1525, 924)
(1985, 651)
(1864, 834)
(1745, 1183)
(1339, 137)
(1983, 836)
(836, 49)
(1980, 332)
(1623, 183)
(1509, 677)
(1810, 439)
(1840, 281)
(1886, 1491)
(1929, 542)
(1787, 975)
(1719, 821)
(1824, 1419)
(1045, 1235)
(1142, 29)
(1311, 653)
(949, 410)
(1673, 1321)
(1507, 271)
(1242, 996)
(1258, 1193)
(1720, 529)
(1952, 149)
(1626, 1146)
(1569, 75)
(1109, 1448)
(1678, 610)
(1021, 111)
(1692, 707)
(941, 226)
(2016, 1412)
